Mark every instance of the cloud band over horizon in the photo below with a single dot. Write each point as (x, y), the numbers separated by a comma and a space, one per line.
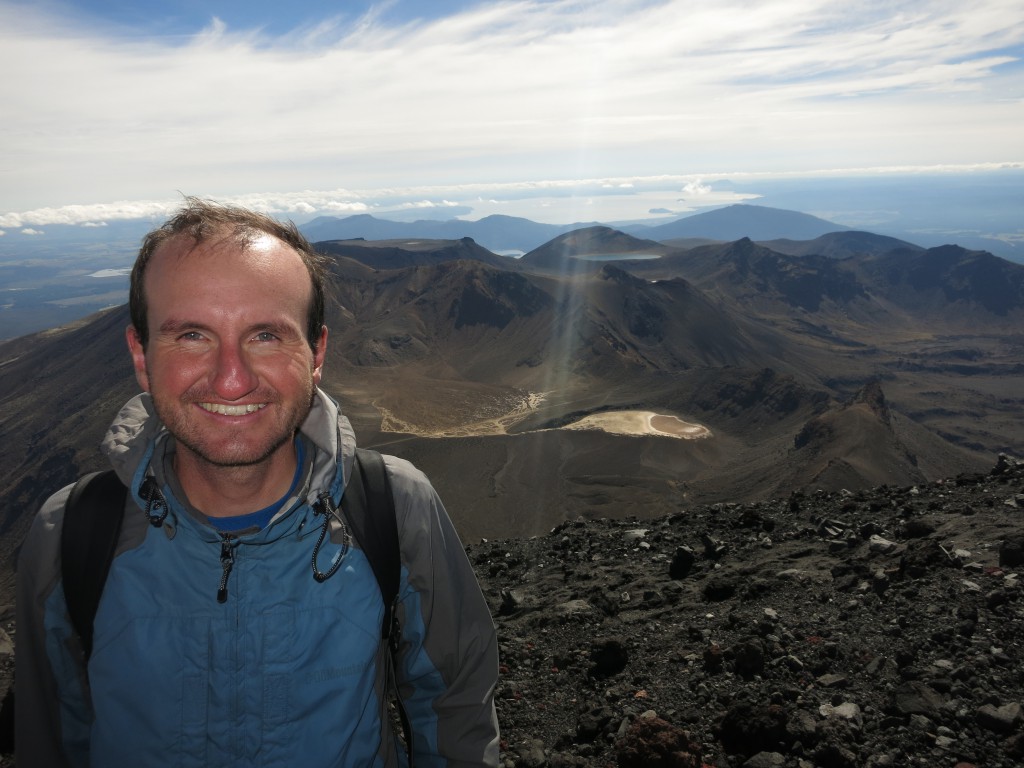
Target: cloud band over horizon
(492, 94)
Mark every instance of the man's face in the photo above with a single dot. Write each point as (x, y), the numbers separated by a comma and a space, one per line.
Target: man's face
(227, 363)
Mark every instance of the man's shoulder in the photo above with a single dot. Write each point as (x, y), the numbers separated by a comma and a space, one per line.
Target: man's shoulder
(51, 513)
(403, 474)
(418, 508)
(46, 528)
(42, 543)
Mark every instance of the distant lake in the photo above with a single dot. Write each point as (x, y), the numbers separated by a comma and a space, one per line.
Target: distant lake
(618, 256)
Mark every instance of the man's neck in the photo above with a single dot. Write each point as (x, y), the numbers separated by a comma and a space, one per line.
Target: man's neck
(219, 491)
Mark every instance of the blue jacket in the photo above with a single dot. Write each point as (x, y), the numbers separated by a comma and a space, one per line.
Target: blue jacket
(286, 671)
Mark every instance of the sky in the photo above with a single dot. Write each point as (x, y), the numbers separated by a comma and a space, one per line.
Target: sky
(556, 110)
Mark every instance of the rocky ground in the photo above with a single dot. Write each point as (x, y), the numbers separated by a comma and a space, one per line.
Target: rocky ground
(826, 630)
(834, 630)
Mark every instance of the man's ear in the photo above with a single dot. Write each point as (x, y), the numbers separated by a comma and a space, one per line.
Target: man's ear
(138, 357)
(319, 355)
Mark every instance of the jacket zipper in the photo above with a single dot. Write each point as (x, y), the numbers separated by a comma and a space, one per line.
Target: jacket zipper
(227, 562)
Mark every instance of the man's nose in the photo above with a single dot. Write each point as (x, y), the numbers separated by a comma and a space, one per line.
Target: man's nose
(234, 377)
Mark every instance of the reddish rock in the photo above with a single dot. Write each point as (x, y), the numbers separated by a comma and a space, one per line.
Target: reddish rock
(652, 742)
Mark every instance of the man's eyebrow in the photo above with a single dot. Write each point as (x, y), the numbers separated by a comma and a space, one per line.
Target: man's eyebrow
(176, 325)
(281, 329)
(173, 326)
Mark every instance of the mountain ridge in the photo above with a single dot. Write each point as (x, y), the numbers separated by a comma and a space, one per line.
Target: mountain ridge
(472, 365)
(69, 286)
(500, 233)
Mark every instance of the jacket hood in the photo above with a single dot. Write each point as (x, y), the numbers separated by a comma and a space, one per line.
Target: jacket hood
(136, 436)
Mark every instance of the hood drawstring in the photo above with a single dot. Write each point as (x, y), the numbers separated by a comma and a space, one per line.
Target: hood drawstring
(156, 505)
(324, 505)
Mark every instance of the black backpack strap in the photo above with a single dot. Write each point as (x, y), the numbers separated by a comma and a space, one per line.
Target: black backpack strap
(368, 506)
(370, 509)
(92, 524)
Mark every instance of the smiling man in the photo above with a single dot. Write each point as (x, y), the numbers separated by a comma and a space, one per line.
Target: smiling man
(215, 642)
(221, 346)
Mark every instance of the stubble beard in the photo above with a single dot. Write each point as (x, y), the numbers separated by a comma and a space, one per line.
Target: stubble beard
(236, 452)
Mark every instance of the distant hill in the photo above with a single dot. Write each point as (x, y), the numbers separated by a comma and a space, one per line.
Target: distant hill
(593, 244)
(396, 254)
(497, 233)
(755, 275)
(950, 276)
(945, 288)
(839, 245)
(736, 221)
(508, 233)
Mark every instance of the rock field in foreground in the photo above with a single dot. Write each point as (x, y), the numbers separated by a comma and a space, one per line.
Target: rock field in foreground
(839, 630)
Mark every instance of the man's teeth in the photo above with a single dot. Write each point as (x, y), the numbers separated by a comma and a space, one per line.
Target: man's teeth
(232, 410)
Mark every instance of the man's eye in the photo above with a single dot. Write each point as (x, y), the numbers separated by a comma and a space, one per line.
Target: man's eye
(190, 336)
(266, 336)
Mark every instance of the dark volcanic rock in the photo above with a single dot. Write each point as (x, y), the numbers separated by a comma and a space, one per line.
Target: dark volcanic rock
(609, 657)
(747, 729)
(1011, 552)
(826, 630)
(653, 743)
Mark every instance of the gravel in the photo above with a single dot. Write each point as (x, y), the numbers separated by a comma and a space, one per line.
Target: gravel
(874, 628)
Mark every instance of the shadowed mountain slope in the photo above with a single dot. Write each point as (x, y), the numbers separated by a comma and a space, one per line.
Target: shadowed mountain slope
(939, 279)
(395, 254)
(884, 292)
(848, 441)
(61, 389)
(475, 372)
(470, 320)
(838, 245)
(753, 275)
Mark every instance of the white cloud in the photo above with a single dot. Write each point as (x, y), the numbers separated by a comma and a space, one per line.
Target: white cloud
(695, 188)
(504, 90)
(428, 204)
(28, 231)
(619, 198)
(95, 213)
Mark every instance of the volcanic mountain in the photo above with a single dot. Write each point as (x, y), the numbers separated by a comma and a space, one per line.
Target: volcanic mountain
(757, 222)
(591, 244)
(517, 385)
(497, 233)
(394, 254)
(840, 245)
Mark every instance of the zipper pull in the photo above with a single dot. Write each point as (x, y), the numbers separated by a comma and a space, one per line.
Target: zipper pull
(227, 561)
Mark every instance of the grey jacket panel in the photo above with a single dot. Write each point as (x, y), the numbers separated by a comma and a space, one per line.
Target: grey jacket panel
(39, 710)
(448, 627)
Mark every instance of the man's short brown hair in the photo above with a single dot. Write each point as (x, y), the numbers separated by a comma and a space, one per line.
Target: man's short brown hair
(200, 219)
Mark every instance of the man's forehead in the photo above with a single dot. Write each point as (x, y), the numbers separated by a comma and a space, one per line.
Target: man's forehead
(221, 236)
(227, 241)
